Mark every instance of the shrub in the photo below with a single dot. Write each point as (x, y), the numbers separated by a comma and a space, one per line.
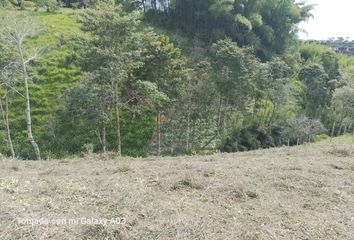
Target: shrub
(29, 4)
(5, 4)
(250, 137)
(321, 137)
(49, 5)
(87, 149)
(302, 129)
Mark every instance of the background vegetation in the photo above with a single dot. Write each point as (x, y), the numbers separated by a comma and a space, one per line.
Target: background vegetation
(168, 77)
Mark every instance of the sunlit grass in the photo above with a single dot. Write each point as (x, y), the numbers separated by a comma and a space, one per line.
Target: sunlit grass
(53, 25)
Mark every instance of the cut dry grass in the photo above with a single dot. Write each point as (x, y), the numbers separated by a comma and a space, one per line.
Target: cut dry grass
(305, 192)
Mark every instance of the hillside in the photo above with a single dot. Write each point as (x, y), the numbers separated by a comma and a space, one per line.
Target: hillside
(148, 119)
(62, 22)
(303, 192)
(155, 78)
(340, 45)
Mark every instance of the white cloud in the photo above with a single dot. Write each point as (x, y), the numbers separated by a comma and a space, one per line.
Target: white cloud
(331, 19)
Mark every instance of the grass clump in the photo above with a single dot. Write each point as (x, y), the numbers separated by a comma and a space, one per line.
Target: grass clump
(240, 194)
(15, 167)
(187, 182)
(252, 195)
(101, 232)
(121, 169)
(209, 173)
(321, 137)
(340, 152)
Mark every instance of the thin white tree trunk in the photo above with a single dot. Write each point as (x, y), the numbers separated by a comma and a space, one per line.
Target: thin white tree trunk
(5, 115)
(188, 129)
(158, 133)
(104, 141)
(172, 137)
(218, 127)
(333, 128)
(28, 107)
(341, 123)
(345, 129)
(118, 127)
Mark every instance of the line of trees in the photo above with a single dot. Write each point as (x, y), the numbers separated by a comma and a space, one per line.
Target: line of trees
(229, 77)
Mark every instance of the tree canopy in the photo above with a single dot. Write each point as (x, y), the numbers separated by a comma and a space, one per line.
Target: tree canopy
(141, 77)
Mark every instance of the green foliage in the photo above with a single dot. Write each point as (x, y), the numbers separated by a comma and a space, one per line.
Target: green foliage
(53, 79)
(315, 53)
(269, 26)
(221, 8)
(237, 81)
(250, 135)
(243, 22)
(343, 105)
(6, 4)
(138, 129)
(321, 137)
(164, 64)
(151, 92)
(317, 95)
(74, 130)
(48, 5)
(234, 68)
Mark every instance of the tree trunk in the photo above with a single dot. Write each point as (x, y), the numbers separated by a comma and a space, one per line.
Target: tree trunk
(158, 133)
(104, 141)
(209, 142)
(341, 124)
(144, 5)
(340, 129)
(272, 114)
(218, 127)
(28, 108)
(224, 117)
(154, 4)
(345, 129)
(172, 150)
(188, 130)
(5, 115)
(118, 129)
(333, 128)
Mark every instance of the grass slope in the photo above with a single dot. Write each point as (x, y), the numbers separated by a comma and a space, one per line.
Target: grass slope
(53, 25)
(304, 192)
(52, 75)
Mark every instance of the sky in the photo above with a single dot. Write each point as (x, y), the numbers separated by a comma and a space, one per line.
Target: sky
(332, 18)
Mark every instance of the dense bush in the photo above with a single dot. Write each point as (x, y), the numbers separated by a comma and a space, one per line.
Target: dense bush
(250, 136)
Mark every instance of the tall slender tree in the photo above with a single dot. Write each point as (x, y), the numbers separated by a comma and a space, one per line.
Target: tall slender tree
(4, 109)
(164, 66)
(15, 30)
(113, 51)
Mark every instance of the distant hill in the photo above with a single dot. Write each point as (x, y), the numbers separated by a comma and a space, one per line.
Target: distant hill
(340, 45)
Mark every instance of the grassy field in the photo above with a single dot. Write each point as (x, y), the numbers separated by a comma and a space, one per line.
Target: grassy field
(51, 26)
(304, 192)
